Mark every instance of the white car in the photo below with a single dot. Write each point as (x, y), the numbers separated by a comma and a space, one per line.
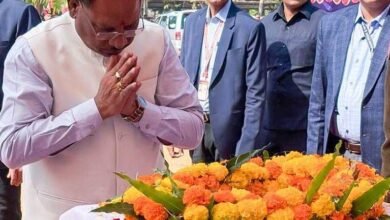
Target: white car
(174, 23)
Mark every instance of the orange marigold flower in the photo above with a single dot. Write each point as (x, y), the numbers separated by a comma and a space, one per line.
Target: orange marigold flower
(250, 196)
(365, 171)
(302, 183)
(257, 188)
(149, 209)
(274, 169)
(208, 181)
(337, 216)
(139, 204)
(225, 187)
(274, 202)
(257, 160)
(224, 196)
(197, 195)
(184, 178)
(336, 185)
(376, 211)
(150, 179)
(302, 212)
(129, 217)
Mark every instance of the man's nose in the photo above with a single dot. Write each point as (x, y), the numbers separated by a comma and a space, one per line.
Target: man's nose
(119, 41)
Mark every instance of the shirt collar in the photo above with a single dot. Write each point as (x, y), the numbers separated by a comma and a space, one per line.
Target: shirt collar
(222, 13)
(306, 10)
(379, 19)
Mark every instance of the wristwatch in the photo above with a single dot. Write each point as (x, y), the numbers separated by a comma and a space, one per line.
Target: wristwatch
(138, 112)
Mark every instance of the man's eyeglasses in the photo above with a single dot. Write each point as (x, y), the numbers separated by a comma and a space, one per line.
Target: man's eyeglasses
(114, 34)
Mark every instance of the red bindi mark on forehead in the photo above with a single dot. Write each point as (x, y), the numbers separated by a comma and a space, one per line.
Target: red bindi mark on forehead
(122, 23)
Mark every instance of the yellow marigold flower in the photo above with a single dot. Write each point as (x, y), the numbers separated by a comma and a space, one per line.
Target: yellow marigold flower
(254, 171)
(341, 163)
(283, 180)
(195, 170)
(282, 214)
(293, 154)
(225, 211)
(252, 209)
(218, 170)
(293, 195)
(196, 212)
(164, 189)
(131, 194)
(323, 206)
(240, 194)
(347, 207)
(271, 186)
(238, 179)
(166, 183)
(278, 160)
(362, 187)
(116, 200)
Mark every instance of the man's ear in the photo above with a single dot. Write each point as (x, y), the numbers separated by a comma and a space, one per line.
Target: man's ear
(73, 6)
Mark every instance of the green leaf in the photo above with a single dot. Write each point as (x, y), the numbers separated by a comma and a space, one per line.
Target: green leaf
(119, 207)
(266, 155)
(343, 199)
(210, 207)
(369, 198)
(321, 176)
(176, 191)
(171, 203)
(237, 161)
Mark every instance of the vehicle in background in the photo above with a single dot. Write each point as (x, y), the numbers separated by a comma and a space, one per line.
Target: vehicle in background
(174, 23)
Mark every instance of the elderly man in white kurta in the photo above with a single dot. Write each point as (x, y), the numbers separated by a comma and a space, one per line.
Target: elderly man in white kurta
(91, 92)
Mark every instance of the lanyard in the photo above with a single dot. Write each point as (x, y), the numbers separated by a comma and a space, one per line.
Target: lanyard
(209, 50)
(368, 37)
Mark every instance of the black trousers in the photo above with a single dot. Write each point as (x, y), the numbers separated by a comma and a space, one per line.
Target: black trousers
(284, 141)
(206, 152)
(9, 198)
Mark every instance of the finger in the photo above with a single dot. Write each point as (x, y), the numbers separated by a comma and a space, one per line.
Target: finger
(131, 76)
(119, 64)
(130, 90)
(128, 65)
(112, 61)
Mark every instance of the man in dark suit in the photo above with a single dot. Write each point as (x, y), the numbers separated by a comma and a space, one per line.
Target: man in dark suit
(223, 52)
(348, 82)
(291, 32)
(16, 19)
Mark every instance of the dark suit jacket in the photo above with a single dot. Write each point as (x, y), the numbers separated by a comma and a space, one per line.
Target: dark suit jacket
(237, 88)
(16, 18)
(332, 45)
(386, 145)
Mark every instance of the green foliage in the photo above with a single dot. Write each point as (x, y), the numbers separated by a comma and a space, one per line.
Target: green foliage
(236, 162)
(172, 204)
(118, 207)
(320, 178)
(369, 198)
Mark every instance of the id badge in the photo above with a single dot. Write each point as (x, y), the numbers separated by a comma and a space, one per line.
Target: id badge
(203, 90)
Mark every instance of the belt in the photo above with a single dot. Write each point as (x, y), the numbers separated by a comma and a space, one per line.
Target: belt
(206, 117)
(352, 147)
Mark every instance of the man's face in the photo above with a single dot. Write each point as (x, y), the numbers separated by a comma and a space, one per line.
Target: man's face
(294, 4)
(216, 3)
(375, 3)
(99, 23)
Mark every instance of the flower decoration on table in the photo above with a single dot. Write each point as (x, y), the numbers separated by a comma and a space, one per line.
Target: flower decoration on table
(248, 187)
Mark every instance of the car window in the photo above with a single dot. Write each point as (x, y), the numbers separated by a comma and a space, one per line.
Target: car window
(172, 22)
(183, 19)
(163, 21)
